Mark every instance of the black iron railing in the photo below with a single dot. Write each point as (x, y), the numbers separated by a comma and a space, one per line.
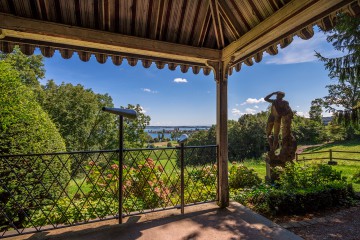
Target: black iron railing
(46, 191)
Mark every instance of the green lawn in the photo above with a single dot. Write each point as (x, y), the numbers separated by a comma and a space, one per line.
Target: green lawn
(348, 168)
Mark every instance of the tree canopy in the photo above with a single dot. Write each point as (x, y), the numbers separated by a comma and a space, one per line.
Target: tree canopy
(25, 126)
(345, 94)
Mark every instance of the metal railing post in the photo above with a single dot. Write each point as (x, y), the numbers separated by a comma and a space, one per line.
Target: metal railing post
(182, 187)
(121, 157)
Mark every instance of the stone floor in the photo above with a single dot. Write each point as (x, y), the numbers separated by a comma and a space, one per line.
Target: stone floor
(203, 221)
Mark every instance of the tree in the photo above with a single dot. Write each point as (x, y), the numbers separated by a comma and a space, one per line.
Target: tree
(26, 128)
(316, 110)
(307, 131)
(76, 111)
(134, 130)
(29, 68)
(345, 37)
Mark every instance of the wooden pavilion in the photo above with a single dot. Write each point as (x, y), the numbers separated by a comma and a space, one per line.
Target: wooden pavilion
(212, 35)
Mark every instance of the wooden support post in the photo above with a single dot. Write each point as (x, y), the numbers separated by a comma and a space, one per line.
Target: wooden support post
(220, 73)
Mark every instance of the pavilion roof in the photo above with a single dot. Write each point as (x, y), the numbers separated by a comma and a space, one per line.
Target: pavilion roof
(185, 33)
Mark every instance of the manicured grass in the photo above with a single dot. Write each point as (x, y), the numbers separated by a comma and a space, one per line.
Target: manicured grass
(348, 168)
(258, 165)
(74, 185)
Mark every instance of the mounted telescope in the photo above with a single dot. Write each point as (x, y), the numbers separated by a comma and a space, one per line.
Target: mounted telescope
(129, 113)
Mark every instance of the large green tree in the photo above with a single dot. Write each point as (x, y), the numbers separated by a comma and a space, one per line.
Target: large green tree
(26, 128)
(344, 37)
(315, 112)
(76, 111)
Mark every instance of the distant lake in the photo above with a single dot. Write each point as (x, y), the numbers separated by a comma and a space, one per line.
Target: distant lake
(154, 131)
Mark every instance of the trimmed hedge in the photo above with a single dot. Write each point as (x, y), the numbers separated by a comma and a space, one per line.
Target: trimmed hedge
(26, 128)
(309, 200)
(300, 189)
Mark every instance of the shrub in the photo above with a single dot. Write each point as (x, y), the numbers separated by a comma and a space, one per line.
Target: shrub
(356, 177)
(242, 177)
(299, 190)
(297, 176)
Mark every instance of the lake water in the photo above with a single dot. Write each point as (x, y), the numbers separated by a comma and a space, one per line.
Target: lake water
(154, 131)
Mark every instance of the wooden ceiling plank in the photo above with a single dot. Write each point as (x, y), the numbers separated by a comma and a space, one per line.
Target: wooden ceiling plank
(148, 22)
(133, 17)
(117, 18)
(204, 28)
(292, 17)
(43, 10)
(228, 14)
(18, 27)
(273, 5)
(182, 15)
(256, 11)
(159, 21)
(97, 19)
(217, 23)
(235, 7)
(167, 21)
(195, 21)
(77, 12)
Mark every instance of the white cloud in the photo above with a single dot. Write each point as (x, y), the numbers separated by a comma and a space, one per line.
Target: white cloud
(253, 101)
(256, 106)
(142, 109)
(303, 114)
(250, 111)
(149, 90)
(300, 51)
(180, 80)
(236, 112)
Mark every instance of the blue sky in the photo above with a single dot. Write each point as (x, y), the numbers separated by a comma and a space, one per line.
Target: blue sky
(176, 98)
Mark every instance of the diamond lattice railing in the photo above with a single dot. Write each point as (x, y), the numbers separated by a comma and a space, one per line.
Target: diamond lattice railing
(46, 191)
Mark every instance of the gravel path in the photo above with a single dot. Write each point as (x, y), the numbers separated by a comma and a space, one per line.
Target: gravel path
(344, 225)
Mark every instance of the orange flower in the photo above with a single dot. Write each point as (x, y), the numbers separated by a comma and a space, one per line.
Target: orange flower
(91, 163)
(160, 168)
(115, 166)
(151, 163)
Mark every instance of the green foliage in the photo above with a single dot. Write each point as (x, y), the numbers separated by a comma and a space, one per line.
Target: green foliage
(76, 111)
(301, 201)
(356, 177)
(345, 37)
(242, 177)
(246, 136)
(301, 189)
(26, 128)
(315, 112)
(134, 130)
(200, 138)
(29, 68)
(297, 176)
(307, 131)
